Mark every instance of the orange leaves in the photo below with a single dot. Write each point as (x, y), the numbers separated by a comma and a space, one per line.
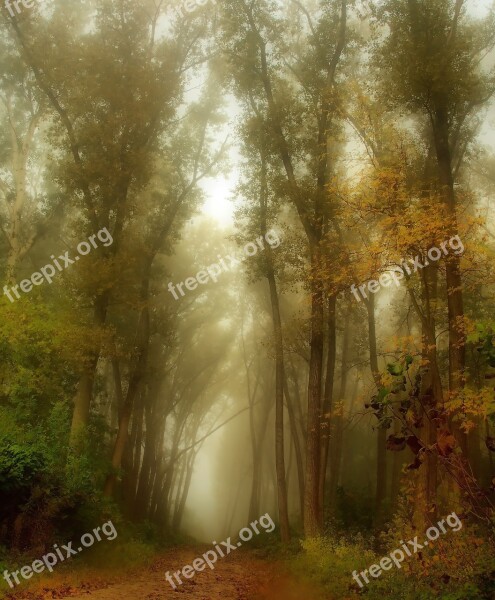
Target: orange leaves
(471, 403)
(468, 426)
(445, 443)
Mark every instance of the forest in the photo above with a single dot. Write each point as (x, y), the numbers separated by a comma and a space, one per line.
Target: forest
(247, 325)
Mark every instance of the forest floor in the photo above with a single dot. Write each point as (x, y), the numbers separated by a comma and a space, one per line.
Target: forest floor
(241, 576)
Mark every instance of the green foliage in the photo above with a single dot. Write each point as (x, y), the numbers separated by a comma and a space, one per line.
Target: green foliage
(395, 369)
(330, 562)
(34, 359)
(53, 488)
(353, 511)
(483, 337)
(18, 465)
(40, 478)
(20, 460)
(460, 567)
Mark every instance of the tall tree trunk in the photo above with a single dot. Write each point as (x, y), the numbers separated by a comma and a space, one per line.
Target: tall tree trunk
(84, 394)
(312, 220)
(328, 399)
(347, 447)
(136, 379)
(255, 445)
(283, 511)
(256, 442)
(298, 403)
(431, 393)
(381, 438)
(185, 491)
(254, 503)
(21, 150)
(297, 446)
(338, 420)
(143, 488)
(312, 481)
(457, 337)
(131, 461)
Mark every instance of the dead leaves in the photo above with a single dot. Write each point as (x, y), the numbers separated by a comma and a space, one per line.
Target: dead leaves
(446, 443)
(490, 443)
(396, 443)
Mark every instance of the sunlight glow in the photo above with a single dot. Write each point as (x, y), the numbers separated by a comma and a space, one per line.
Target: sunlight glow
(218, 203)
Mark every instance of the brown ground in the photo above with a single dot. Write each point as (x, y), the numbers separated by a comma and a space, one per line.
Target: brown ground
(238, 576)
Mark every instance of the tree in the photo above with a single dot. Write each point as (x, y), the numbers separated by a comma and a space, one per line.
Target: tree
(256, 77)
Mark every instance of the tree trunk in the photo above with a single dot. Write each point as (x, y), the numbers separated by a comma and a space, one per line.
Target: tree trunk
(312, 481)
(283, 511)
(143, 490)
(457, 338)
(431, 394)
(141, 361)
(297, 446)
(337, 429)
(84, 394)
(185, 491)
(381, 438)
(328, 400)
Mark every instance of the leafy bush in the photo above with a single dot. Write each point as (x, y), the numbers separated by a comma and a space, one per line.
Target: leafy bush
(458, 566)
(46, 489)
(330, 562)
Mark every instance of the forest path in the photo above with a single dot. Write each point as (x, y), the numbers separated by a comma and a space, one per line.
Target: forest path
(238, 576)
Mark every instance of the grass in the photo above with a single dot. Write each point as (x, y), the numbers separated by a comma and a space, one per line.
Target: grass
(101, 564)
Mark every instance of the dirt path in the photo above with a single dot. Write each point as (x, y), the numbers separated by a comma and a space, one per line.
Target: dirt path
(236, 577)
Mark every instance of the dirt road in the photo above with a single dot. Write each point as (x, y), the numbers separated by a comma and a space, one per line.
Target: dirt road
(236, 577)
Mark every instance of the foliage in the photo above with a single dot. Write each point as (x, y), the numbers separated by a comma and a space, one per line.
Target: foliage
(330, 562)
(42, 484)
(461, 566)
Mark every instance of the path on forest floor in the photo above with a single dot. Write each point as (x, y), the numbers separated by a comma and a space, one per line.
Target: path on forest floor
(235, 577)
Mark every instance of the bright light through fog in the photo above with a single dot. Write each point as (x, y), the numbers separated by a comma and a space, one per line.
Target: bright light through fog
(218, 204)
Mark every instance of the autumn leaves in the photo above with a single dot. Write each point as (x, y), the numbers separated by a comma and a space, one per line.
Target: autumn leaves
(398, 273)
